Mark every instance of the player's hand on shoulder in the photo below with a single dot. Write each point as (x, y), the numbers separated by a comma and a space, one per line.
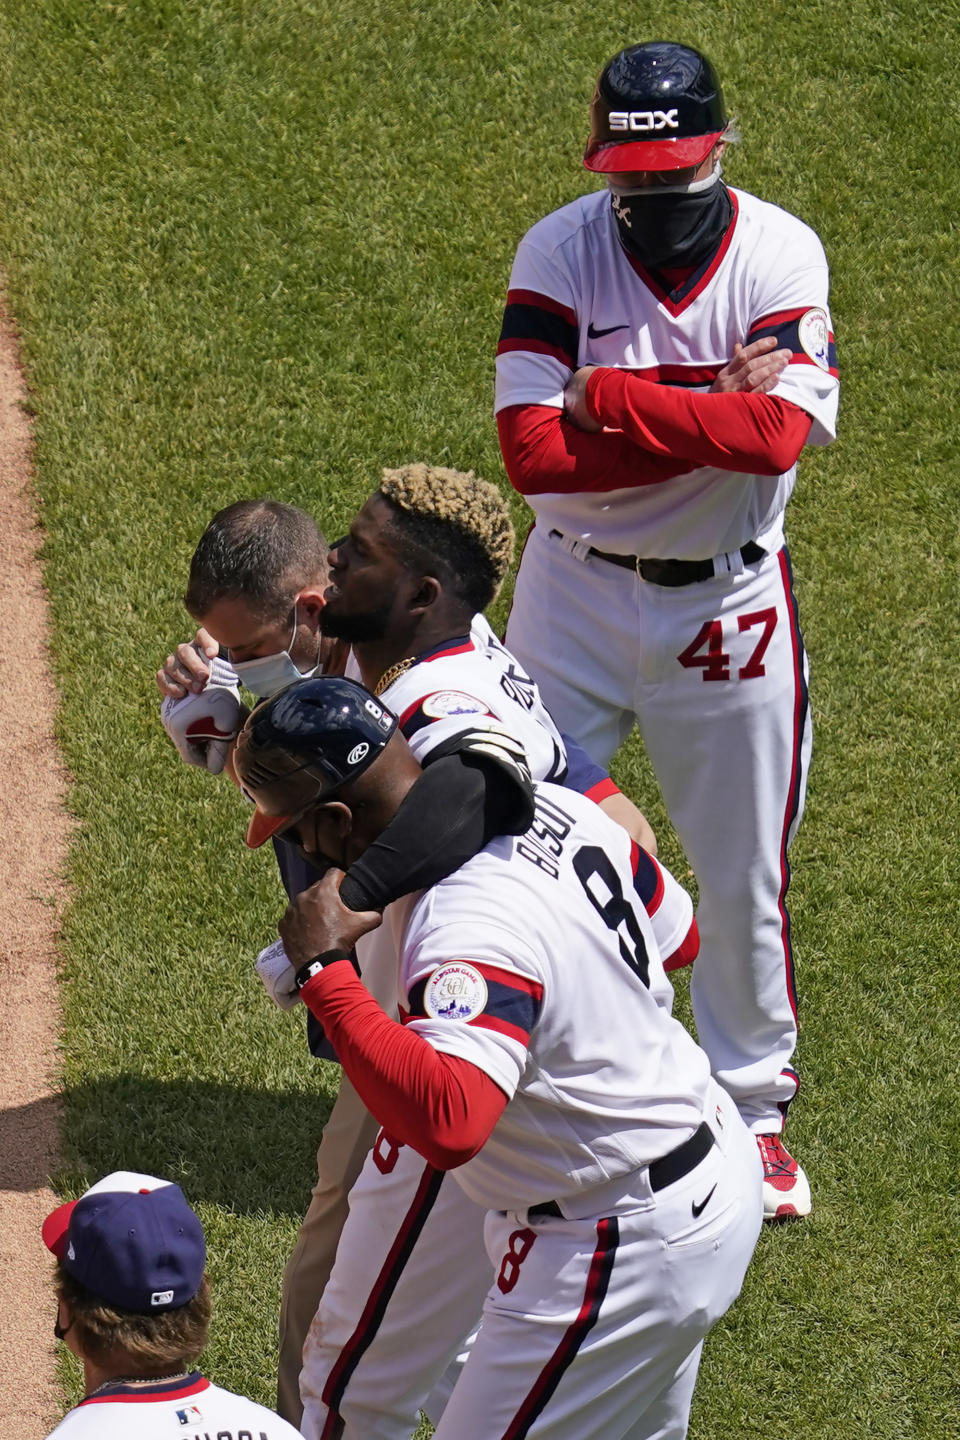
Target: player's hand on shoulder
(317, 920)
(204, 726)
(187, 670)
(575, 400)
(754, 369)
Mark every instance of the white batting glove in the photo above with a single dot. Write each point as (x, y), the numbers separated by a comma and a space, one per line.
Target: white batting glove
(277, 975)
(203, 727)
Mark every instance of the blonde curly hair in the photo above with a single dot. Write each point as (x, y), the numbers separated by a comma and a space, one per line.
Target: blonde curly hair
(456, 518)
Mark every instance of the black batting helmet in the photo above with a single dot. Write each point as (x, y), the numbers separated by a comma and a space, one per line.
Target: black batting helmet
(657, 106)
(300, 747)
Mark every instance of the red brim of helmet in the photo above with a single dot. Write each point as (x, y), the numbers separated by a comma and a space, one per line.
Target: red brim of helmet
(54, 1228)
(666, 154)
(263, 827)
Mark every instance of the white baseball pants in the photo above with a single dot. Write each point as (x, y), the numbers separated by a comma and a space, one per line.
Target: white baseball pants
(591, 1328)
(715, 675)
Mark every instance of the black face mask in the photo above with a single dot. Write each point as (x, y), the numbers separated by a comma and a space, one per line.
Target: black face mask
(667, 230)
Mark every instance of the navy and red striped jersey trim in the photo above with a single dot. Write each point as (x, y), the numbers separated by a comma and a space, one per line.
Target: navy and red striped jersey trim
(542, 302)
(595, 1290)
(513, 1003)
(413, 718)
(683, 377)
(538, 324)
(456, 645)
(584, 774)
(145, 1393)
(602, 790)
(647, 878)
(785, 326)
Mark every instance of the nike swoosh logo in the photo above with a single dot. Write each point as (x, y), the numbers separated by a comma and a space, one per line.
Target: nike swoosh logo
(593, 334)
(699, 1209)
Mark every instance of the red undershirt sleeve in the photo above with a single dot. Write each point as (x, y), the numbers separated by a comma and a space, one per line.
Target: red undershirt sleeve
(442, 1106)
(542, 452)
(749, 433)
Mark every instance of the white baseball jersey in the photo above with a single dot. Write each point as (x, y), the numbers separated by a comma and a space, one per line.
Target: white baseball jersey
(577, 298)
(534, 961)
(713, 671)
(477, 681)
(184, 1409)
(472, 682)
(466, 683)
(462, 685)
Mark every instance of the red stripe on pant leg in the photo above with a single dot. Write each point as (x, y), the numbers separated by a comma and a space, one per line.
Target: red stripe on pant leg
(800, 706)
(783, 1106)
(598, 1279)
(383, 1288)
(334, 1427)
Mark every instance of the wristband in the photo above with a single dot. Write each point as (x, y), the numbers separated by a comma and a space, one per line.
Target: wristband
(319, 962)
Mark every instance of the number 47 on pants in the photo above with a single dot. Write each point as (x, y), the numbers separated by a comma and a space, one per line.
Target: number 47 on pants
(705, 652)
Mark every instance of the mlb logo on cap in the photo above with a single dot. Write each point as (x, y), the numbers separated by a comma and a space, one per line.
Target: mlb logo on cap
(131, 1240)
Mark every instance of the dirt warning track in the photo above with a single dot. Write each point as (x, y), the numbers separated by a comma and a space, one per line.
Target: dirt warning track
(33, 845)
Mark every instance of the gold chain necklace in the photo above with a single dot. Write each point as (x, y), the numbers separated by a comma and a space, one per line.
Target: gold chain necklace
(394, 673)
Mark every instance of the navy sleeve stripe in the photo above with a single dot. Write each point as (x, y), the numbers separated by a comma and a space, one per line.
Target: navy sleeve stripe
(786, 329)
(647, 880)
(531, 327)
(582, 772)
(413, 721)
(520, 1009)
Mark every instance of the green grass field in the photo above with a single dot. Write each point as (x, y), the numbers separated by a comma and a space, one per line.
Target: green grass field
(261, 248)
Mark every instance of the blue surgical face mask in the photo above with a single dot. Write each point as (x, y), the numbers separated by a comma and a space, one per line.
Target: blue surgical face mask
(269, 674)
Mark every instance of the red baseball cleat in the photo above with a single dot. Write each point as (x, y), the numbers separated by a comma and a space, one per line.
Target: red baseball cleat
(786, 1190)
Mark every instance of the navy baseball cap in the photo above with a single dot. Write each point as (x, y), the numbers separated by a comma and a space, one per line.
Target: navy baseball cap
(131, 1240)
(303, 745)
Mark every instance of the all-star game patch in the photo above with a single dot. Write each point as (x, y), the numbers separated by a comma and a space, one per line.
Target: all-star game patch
(451, 702)
(457, 991)
(439, 706)
(813, 332)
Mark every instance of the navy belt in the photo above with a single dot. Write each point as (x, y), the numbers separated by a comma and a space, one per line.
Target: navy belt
(663, 1172)
(670, 572)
